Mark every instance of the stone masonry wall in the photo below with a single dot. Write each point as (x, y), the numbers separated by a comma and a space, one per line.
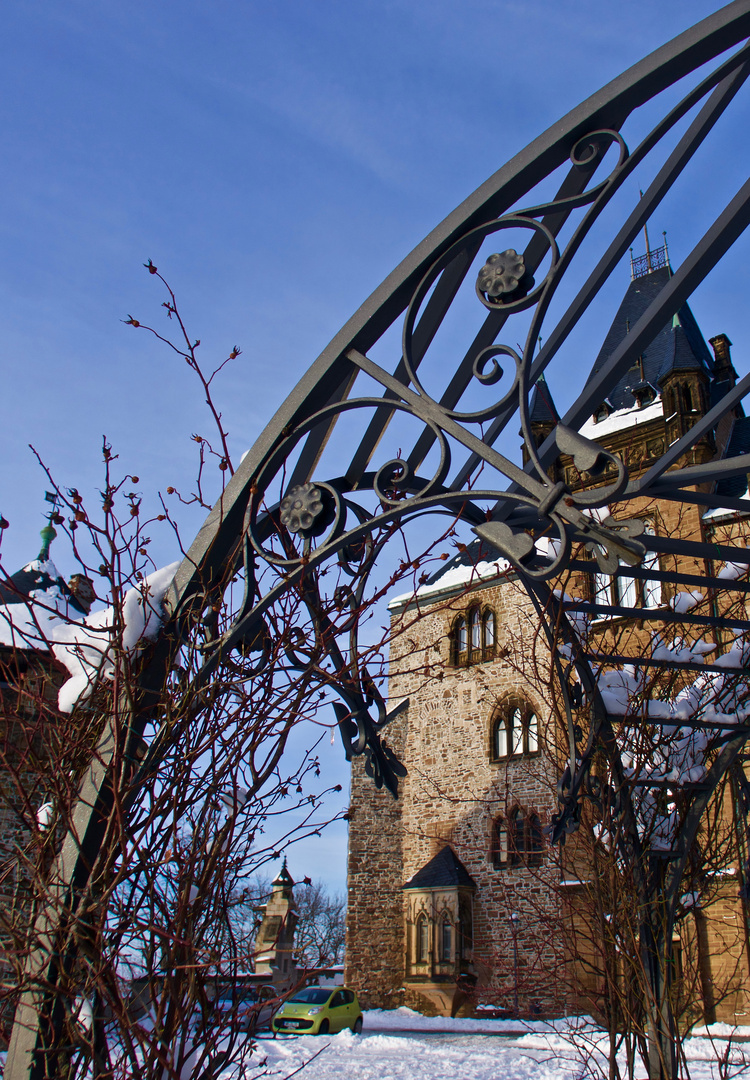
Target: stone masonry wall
(374, 942)
(452, 794)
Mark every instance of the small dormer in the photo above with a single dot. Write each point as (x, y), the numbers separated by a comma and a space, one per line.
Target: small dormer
(603, 411)
(644, 394)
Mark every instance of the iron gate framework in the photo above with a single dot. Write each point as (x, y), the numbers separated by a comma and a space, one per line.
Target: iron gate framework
(297, 504)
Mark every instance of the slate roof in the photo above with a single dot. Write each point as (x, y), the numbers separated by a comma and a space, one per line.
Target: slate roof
(283, 877)
(32, 578)
(36, 577)
(678, 346)
(444, 871)
(541, 406)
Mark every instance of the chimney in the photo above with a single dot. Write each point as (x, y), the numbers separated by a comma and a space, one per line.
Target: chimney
(723, 369)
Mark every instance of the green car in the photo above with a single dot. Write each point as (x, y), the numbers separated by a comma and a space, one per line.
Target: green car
(318, 1010)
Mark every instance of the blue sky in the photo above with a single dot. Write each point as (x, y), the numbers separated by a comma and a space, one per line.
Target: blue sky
(276, 162)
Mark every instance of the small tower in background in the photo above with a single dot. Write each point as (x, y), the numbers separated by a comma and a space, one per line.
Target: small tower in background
(274, 945)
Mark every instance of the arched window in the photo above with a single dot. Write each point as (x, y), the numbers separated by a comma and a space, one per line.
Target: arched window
(473, 637)
(423, 939)
(465, 933)
(517, 835)
(460, 643)
(534, 840)
(500, 850)
(626, 592)
(475, 622)
(500, 741)
(651, 589)
(489, 630)
(517, 840)
(629, 592)
(446, 939)
(532, 733)
(515, 732)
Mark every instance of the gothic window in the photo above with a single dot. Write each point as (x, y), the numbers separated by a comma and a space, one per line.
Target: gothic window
(461, 640)
(473, 637)
(515, 732)
(516, 836)
(489, 629)
(517, 840)
(446, 939)
(532, 733)
(534, 847)
(423, 939)
(500, 846)
(465, 929)
(476, 630)
(629, 592)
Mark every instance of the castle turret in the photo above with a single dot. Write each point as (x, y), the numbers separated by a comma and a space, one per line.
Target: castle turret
(274, 945)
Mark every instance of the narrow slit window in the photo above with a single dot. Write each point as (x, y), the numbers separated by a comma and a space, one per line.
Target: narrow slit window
(446, 939)
(423, 939)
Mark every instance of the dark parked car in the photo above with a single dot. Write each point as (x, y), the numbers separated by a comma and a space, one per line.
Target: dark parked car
(253, 1011)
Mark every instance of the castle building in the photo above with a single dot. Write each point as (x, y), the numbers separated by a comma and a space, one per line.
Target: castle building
(455, 894)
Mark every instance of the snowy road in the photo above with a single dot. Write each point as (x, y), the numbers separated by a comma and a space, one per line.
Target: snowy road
(426, 1051)
(415, 1056)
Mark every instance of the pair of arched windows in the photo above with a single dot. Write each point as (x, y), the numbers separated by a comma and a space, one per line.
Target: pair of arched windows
(628, 592)
(473, 636)
(517, 840)
(682, 396)
(515, 732)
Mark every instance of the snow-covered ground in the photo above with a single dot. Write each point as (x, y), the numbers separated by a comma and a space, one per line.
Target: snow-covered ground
(402, 1045)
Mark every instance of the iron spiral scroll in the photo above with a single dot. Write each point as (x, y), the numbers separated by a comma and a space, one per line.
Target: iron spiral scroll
(308, 516)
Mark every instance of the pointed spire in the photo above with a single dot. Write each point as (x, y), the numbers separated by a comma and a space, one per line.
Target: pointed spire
(283, 878)
(541, 406)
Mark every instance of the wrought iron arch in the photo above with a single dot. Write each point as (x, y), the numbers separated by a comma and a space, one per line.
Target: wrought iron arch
(293, 509)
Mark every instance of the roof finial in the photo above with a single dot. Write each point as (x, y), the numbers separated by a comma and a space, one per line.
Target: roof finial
(48, 533)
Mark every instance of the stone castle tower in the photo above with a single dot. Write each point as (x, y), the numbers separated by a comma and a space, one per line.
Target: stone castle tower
(453, 887)
(274, 945)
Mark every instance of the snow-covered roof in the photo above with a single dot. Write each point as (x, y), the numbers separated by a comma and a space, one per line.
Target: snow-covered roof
(464, 571)
(621, 419)
(48, 620)
(33, 600)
